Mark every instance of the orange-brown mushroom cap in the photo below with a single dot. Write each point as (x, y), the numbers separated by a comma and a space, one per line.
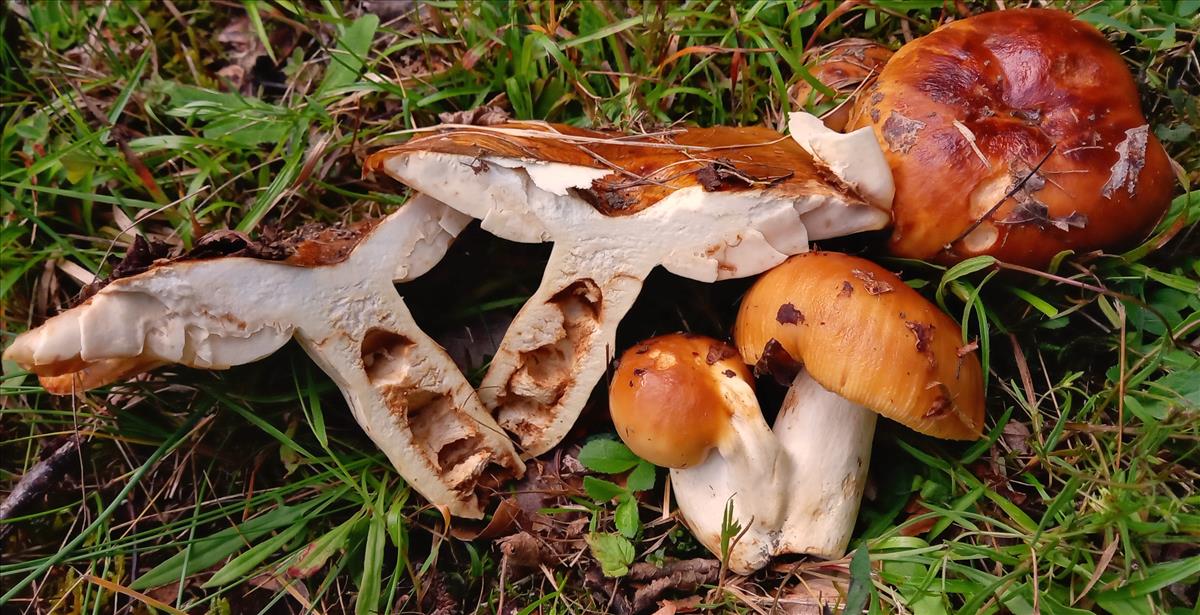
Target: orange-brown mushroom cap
(649, 167)
(672, 397)
(965, 113)
(863, 334)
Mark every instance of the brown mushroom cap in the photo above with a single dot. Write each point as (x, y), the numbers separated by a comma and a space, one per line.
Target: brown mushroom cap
(965, 113)
(645, 168)
(863, 334)
(842, 66)
(670, 397)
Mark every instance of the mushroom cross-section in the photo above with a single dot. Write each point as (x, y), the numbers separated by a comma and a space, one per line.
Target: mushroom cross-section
(709, 204)
(1017, 134)
(852, 340)
(335, 295)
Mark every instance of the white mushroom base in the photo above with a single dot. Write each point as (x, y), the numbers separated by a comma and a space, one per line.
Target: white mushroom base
(825, 444)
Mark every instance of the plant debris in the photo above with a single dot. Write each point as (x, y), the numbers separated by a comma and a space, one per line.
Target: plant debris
(1036, 213)
(719, 352)
(901, 132)
(681, 575)
(777, 363)
(1131, 157)
(870, 283)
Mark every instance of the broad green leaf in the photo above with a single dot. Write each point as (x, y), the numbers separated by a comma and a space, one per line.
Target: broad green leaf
(607, 456)
(602, 490)
(641, 478)
(614, 552)
(626, 519)
(346, 61)
(860, 581)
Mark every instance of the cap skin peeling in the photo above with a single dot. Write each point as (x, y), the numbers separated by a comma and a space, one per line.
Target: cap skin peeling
(853, 341)
(403, 389)
(967, 112)
(708, 204)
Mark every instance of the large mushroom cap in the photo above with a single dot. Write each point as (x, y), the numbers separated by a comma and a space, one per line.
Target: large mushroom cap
(863, 334)
(966, 112)
(621, 175)
(672, 397)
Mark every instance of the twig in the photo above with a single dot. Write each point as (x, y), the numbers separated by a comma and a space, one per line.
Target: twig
(35, 482)
(1015, 189)
(104, 515)
(633, 140)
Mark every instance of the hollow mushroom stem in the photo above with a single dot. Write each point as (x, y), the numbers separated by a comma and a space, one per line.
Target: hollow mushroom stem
(562, 340)
(827, 439)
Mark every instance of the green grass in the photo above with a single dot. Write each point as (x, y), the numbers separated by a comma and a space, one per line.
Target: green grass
(252, 491)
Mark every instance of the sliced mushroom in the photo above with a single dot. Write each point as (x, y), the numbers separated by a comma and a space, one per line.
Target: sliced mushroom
(852, 340)
(335, 295)
(1017, 134)
(706, 203)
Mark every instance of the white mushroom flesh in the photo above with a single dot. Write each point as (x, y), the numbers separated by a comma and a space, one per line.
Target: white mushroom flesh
(403, 389)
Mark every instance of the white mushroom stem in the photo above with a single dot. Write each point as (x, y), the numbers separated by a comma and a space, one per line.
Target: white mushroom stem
(827, 439)
(403, 389)
(797, 487)
(746, 471)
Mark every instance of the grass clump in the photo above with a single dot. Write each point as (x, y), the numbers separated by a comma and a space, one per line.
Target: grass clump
(251, 491)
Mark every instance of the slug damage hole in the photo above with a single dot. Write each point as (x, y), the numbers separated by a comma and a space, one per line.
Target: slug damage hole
(545, 373)
(445, 435)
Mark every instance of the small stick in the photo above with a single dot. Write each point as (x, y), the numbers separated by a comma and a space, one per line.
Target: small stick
(1015, 189)
(35, 482)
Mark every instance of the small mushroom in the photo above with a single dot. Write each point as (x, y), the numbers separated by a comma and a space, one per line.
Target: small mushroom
(851, 340)
(1016, 134)
(706, 203)
(845, 66)
(686, 402)
(335, 295)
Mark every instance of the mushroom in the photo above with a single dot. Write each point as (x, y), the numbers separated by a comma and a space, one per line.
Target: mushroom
(845, 66)
(334, 294)
(706, 203)
(852, 340)
(686, 402)
(1016, 134)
